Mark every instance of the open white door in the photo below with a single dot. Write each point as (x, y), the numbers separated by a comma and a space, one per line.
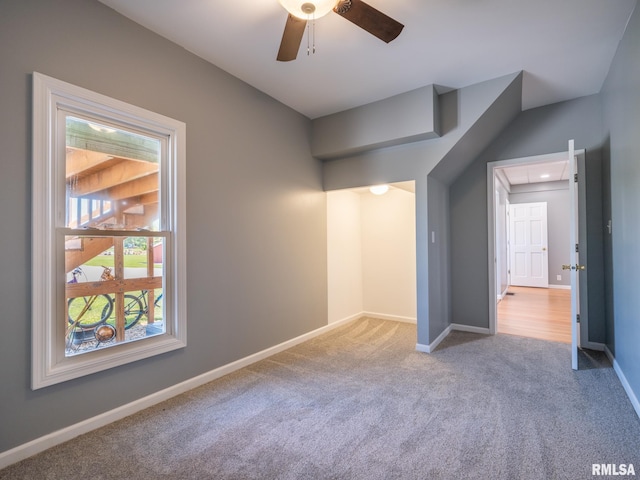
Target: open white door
(574, 267)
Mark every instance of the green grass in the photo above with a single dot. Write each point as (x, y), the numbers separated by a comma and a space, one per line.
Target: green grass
(130, 261)
(93, 314)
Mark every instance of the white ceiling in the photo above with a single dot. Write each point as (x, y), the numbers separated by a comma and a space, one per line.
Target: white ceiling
(564, 47)
(537, 172)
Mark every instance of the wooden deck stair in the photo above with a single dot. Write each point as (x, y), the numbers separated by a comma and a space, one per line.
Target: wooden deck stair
(89, 248)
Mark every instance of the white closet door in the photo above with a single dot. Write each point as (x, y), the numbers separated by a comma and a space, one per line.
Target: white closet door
(528, 244)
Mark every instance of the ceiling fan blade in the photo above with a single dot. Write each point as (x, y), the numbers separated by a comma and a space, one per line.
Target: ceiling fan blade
(368, 18)
(291, 38)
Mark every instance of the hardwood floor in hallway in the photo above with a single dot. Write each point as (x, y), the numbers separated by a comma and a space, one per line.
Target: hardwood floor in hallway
(543, 313)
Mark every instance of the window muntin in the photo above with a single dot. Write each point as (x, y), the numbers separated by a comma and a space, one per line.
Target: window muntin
(115, 296)
(108, 191)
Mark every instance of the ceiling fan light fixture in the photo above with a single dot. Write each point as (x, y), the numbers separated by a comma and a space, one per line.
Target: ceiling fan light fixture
(304, 9)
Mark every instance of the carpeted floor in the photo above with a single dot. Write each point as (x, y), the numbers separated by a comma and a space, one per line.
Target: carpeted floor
(360, 403)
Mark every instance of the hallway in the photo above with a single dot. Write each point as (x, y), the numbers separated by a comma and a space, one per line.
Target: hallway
(543, 313)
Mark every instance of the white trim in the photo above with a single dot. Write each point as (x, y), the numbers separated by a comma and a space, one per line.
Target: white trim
(609, 354)
(468, 328)
(491, 251)
(380, 316)
(45, 442)
(420, 347)
(49, 365)
(491, 224)
(395, 318)
(623, 380)
(504, 293)
(432, 346)
(355, 316)
(598, 347)
(559, 287)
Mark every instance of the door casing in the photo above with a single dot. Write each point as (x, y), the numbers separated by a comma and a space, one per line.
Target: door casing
(491, 212)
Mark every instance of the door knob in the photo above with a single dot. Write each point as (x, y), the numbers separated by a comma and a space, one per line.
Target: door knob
(573, 267)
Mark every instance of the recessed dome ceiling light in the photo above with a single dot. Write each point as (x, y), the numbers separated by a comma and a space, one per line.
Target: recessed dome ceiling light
(379, 189)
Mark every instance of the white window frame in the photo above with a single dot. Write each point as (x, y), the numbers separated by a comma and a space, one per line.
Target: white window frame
(49, 363)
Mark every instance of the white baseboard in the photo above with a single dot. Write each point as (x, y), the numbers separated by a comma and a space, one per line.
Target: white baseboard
(420, 347)
(344, 320)
(623, 380)
(395, 318)
(380, 316)
(45, 442)
(504, 293)
(432, 346)
(561, 287)
(609, 354)
(598, 347)
(467, 328)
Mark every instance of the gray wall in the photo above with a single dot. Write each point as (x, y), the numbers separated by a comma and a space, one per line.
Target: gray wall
(621, 107)
(556, 194)
(470, 118)
(408, 117)
(438, 256)
(534, 132)
(255, 207)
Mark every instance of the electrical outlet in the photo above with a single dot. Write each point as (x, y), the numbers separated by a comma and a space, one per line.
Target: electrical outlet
(558, 277)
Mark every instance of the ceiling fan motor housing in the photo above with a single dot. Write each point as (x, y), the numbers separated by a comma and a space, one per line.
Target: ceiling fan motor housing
(357, 12)
(343, 6)
(308, 8)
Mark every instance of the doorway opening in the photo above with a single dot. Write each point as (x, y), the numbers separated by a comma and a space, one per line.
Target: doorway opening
(529, 230)
(536, 312)
(371, 251)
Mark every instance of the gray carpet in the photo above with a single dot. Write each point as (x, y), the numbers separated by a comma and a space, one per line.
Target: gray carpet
(360, 403)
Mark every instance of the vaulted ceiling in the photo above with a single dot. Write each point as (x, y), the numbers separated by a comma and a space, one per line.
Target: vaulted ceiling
(564, 47)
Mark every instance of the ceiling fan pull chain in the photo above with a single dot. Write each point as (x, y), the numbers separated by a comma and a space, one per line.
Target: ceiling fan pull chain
(313, 35)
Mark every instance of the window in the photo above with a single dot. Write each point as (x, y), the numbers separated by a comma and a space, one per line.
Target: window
(108, 259)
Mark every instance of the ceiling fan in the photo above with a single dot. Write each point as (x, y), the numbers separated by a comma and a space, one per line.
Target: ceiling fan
(356, 11)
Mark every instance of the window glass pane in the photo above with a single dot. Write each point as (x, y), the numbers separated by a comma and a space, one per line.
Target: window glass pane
(112, 177)
(114, 291)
